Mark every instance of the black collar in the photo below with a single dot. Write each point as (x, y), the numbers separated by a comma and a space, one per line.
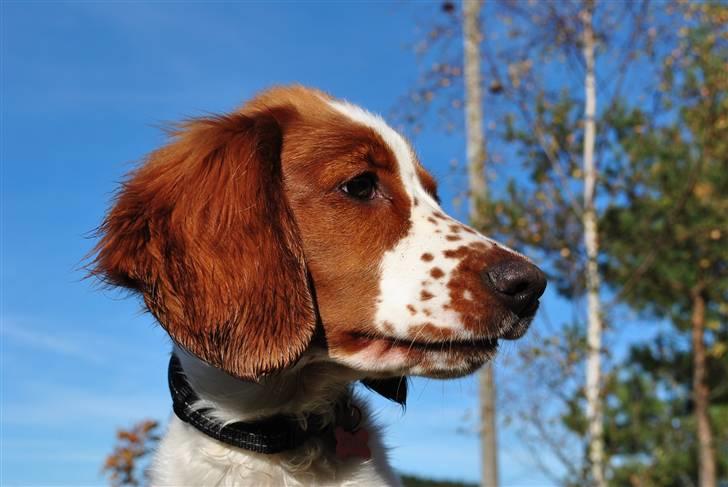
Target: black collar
(271, 435)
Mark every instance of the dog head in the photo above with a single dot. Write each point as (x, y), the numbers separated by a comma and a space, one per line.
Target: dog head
(250, 231)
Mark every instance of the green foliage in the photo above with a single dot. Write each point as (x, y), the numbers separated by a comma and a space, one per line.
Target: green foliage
(648, 420)
(413, 481)
(668, 237)
(650, 428)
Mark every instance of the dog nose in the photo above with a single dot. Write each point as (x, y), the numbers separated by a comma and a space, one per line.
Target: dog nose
(517, 283)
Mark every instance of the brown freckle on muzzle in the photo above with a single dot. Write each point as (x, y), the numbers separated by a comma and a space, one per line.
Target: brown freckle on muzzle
(452, 238)
(436, 272)
(425, 295)
(411, 309)
(432, 220)
(427, 257)
(466, 250)
(455, 228)
(469, 230)
(439, 215)
(457, 253)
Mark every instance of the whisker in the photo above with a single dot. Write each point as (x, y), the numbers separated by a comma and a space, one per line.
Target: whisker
(413, 341)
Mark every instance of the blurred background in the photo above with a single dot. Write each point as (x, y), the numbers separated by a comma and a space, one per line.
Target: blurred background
(591, 135)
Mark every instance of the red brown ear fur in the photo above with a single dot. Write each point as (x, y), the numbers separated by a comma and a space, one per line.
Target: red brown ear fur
(204, 233)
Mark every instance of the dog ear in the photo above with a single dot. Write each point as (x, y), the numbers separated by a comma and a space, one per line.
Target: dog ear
(204, 233)
(394, 389)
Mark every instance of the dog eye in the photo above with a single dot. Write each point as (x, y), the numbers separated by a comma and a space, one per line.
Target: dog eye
(362, 187)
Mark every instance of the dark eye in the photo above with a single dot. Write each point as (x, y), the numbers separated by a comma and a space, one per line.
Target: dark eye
(362, 187)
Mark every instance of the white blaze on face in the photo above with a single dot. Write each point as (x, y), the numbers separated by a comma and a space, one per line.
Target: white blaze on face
(415, 273)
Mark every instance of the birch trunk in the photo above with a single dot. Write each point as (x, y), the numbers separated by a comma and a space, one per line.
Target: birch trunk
(476, 156)
(475, 141)
(706, 454)
(594, 317)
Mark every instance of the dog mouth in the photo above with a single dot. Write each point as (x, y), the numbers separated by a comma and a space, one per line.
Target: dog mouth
(521, 323)
(438, 345)
(429, 350)
(434, 357)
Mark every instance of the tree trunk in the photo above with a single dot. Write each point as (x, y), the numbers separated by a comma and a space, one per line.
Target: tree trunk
(706, 454)
(594, 317)
(476, 156)
(475, 149)
(488, 437)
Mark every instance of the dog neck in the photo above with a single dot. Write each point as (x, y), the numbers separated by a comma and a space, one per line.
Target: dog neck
(314, 391)
(312, 387)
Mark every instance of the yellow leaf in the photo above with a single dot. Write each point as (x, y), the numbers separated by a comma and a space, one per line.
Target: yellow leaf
(713, 325)
(718, 350)
(703, 190)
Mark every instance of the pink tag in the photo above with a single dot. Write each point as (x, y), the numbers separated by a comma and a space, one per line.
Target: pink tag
(352, 444)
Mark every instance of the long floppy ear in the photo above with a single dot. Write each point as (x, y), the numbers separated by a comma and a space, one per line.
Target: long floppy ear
(204, 233)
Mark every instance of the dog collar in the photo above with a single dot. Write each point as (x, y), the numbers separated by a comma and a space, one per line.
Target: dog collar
(270, 435)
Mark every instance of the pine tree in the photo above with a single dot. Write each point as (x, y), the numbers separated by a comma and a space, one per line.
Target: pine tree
(667, 242)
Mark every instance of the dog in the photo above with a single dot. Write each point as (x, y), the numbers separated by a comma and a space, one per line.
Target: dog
(291, 248)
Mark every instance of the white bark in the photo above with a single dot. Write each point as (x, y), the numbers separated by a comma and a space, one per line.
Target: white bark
(476, 155)
(475, 149)
(594, 316)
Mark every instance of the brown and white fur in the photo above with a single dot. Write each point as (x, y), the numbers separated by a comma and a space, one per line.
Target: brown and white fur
(254, 240)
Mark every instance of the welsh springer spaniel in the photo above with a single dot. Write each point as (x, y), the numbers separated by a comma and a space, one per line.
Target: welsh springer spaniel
(291, 248)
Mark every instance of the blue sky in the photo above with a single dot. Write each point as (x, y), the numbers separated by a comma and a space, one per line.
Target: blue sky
(85, 88)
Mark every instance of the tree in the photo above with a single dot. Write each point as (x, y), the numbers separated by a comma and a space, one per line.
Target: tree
(674, 218)
(650, 420)
(478, 191)
(591, 244)
(130, 452)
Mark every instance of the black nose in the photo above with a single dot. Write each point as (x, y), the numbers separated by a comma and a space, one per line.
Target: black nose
(517, 283)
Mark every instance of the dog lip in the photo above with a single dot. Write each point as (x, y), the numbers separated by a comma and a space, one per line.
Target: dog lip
(459, 344)
(530, 311)
(521, 325)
